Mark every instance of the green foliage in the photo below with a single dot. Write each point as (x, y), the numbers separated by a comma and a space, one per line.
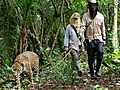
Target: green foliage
(4, 74)
(20, 14)
(8, 28)
(113, 59)
(62, 73)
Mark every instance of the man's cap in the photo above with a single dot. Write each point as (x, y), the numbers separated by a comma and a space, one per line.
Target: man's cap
(93, 1)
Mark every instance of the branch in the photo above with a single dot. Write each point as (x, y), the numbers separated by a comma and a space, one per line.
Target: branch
(105, 64)
(58, 28)
(56, 16)
(54, 7)
(67, 4)
(39, 43)
(50, 24)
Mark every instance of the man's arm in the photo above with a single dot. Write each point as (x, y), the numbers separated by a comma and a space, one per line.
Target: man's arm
(103, 32)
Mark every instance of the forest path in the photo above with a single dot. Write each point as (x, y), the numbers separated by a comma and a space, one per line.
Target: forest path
(107, 81)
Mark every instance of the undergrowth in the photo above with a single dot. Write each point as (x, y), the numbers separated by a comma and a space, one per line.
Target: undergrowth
(62, 73)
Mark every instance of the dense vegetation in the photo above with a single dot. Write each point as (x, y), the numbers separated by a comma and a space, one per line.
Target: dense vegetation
(39, 26)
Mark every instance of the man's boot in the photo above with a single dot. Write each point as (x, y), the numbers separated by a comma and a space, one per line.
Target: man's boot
(92, 71)
(97, 68)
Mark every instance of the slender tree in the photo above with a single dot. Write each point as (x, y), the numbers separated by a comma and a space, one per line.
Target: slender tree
(115, 35)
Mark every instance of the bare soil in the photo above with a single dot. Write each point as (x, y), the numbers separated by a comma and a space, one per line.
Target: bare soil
(108, 81)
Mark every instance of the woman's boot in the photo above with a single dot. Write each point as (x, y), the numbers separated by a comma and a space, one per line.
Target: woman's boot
(78, 68)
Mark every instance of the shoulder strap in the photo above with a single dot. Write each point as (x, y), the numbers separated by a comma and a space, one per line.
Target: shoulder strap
(88, 25)
(75, 30)
(90, 22)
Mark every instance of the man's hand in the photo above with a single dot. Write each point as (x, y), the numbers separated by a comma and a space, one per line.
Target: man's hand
(80, 37)
(79, 49)
(103, 43)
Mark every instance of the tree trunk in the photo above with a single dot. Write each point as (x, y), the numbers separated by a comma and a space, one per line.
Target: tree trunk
(61, 20)
(115, 36)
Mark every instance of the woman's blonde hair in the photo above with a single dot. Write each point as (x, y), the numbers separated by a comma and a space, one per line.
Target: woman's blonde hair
(75, 15)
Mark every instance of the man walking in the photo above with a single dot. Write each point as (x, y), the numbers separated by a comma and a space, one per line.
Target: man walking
(94, 28)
